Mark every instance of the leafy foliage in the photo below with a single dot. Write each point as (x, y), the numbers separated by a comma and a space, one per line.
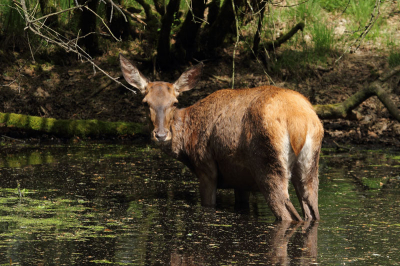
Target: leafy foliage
(141, 23)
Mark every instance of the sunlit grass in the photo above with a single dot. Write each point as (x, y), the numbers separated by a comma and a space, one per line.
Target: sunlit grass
(322, 18)
(336, 5)
(323, 38)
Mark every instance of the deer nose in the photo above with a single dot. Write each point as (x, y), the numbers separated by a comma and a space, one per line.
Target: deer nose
(161, 135)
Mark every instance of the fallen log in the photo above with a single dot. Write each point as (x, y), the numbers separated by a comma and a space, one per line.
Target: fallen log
(70, 128)
(345, 108)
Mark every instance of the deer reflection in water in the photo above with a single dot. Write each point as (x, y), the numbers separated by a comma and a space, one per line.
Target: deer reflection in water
(285, 243)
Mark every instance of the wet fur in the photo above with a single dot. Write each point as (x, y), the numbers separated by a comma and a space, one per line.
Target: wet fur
(246, 139)
(254, 138)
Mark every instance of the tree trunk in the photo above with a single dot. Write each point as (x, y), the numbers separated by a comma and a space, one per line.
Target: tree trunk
(160, 6)
(213, 10)
(147, 9)
(186, 44)
(87, 24)
(257, 37)
(163, 49)
(48, 7)
(221, 27)
(118, 26)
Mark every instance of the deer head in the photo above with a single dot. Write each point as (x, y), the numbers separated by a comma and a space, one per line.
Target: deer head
(160, 97)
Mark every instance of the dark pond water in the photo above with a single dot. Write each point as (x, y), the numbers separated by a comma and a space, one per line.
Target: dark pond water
(125, 205)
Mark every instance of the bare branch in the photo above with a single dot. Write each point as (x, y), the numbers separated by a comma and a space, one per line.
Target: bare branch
(270, 46)
(236, 44)
(390, 73)
(53, 37)
(56, 13)
(17, 79)
(116, 7)
(278, 4)
(374, 17)
(133, 16)
(104, 23)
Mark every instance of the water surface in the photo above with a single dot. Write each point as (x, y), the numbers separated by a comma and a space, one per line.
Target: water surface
(101, 204)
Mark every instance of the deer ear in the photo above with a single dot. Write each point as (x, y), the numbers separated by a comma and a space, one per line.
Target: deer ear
(189, 79)
(132, 75)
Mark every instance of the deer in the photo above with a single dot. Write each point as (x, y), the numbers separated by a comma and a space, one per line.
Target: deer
(250, 139)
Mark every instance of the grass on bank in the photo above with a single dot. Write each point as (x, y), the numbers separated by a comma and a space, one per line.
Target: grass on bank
(331, 26)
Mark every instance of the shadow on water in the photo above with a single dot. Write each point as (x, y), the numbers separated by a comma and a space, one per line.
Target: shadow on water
(123, 205)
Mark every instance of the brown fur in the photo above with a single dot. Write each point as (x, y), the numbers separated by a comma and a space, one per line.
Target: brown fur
(246, 139)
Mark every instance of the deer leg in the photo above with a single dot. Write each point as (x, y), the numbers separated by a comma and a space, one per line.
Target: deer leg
(305, 181)
(275, 190)
(307, 193)
(208, 184)
(208, 192)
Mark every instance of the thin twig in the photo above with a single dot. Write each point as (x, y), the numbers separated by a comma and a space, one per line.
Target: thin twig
(55, 38)
(102, 20)
(390, 73)
(338, 146)
(344, 10)
(236, 44)
(9, 84)
(16, 80)
(257, 58)
(7, 137)
(133, 16)
(111, 13)
(56, 13)
(275, 4)
(371, 23)
(77, 4)
(116, 7)
(30, 48)
(193, 15)
(374, 17)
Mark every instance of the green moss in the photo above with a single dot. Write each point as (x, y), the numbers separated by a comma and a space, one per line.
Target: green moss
(395, 158)
(70, 128)
(373, 183)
